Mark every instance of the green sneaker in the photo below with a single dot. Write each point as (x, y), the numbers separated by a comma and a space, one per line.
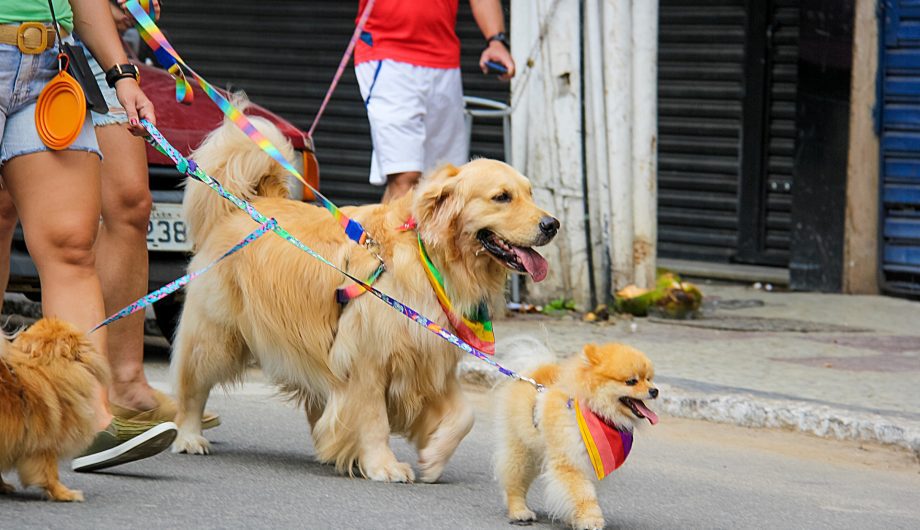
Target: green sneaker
(125, 441)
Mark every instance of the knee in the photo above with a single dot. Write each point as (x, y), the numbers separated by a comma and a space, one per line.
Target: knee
(8, 214)
(131, 208)
(67, 245)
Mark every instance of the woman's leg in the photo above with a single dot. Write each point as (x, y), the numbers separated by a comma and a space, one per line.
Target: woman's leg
(8, 220)
(57, 195)
(121, 263)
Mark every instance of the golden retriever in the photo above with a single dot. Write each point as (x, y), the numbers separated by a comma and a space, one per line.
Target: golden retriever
(49, 376)
(538, 432)
(362, 371)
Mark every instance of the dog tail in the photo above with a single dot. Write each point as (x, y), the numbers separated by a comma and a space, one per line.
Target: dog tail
(525, 354)
(235, 161)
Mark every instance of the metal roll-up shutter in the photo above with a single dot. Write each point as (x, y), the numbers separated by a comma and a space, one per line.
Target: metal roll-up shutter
(780, 125)
(900, 147)
(700, 76)
(284, 54)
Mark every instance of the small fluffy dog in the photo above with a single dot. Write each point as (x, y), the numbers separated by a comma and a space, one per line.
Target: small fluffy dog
(362, 371)
(48, 378)
(539, 432)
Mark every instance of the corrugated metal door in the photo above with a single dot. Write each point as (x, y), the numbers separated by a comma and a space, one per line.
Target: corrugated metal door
(284, 53)
(900, 145)
(727, 77)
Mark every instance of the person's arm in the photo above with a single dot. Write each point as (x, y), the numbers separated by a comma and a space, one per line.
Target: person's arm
(93, 22)
(491, 21)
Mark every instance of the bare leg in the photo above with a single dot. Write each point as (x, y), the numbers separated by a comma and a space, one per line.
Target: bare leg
(121, 263)
(42, 470)
(399, 184)
(8, 218)
(57, 195)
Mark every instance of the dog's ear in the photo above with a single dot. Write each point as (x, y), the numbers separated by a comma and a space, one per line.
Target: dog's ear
(592, 354)
(434, 205)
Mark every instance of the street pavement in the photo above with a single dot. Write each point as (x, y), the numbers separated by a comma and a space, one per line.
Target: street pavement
(681, 474)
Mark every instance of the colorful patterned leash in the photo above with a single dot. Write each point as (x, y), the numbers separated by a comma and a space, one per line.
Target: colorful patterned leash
(190, 168)
(175, 285)
(359, 27)
(161, 47)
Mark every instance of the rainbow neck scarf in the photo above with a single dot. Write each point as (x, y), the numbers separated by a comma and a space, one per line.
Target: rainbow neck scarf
(607, 447)
(475, 329)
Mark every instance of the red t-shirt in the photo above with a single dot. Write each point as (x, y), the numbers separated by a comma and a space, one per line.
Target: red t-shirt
(419, 32)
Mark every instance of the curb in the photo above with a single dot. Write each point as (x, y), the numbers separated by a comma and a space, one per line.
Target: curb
(749, 410)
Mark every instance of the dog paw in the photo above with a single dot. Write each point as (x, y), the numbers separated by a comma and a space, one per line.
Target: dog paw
(66, 495)
(193, 444)
(430, 470)
(393, 472)
(588, 523)
(6, 489)
(522, 517)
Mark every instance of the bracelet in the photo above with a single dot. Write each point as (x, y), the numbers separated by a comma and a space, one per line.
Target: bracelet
(500, 37)
(121, 71)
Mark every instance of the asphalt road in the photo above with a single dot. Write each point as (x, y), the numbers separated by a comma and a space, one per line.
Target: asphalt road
(681, 474)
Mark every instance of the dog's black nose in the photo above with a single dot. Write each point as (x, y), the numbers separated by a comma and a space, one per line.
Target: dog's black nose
(549, 225)
(653, 392)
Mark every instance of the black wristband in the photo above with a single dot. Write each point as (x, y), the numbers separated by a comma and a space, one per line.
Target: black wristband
(121, 71)
(500, 37)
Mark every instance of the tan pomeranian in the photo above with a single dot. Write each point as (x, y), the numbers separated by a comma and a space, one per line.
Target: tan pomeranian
(599, 391)
(49, 375)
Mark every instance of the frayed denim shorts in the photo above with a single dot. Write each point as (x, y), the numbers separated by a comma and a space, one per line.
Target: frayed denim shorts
(116, 113)
(22, 78)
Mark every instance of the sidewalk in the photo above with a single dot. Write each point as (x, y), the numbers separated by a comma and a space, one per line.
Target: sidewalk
(832, 365)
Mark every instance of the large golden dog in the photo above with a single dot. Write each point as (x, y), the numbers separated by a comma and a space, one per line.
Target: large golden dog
(362, 371)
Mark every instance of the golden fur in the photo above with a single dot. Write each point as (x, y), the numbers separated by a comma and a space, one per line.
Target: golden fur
(363, 371)
(49, 376)
(538, 433)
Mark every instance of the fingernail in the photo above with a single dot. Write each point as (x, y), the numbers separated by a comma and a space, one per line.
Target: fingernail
(134, 121)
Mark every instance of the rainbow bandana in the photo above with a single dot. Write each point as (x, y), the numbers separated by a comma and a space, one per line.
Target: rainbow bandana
(475, 329)
(607, 446)
(170, 60)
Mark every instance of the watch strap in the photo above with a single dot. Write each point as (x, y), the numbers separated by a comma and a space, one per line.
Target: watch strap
(121, 71)
(500, 37)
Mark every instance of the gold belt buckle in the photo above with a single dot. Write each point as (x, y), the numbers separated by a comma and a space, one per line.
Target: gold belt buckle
(25, 38)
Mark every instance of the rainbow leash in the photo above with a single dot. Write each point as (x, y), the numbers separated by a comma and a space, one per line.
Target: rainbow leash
(175, 285)
(190, 168)
(170, 59)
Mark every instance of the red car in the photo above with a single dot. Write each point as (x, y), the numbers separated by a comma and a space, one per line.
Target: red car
(185, 126)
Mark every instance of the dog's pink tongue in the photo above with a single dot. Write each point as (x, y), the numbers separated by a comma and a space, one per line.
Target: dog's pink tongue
(533, 262)
(649, 415)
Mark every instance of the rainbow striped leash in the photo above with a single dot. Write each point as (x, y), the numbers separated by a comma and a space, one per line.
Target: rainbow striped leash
(170, 59)
(175, 285)
(607, 447)
(190, 168)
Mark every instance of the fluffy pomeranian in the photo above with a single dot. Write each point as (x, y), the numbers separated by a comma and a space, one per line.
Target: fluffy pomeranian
(49, 375)
(601, 390)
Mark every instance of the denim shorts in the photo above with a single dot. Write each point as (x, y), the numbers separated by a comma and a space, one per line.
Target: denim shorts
(22, 78)
(116, 114)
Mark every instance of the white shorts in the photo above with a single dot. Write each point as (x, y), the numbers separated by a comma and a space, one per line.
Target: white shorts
(416, 117)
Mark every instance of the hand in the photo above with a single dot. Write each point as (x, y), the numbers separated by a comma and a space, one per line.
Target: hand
(136, 104)
(123, 21)
(156, 9)
(497, 53)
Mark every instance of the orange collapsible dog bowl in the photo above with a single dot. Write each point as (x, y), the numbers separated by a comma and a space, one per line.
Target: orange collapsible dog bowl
(60, 111)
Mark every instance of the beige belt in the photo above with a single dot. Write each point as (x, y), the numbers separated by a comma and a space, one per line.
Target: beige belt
(31, 37)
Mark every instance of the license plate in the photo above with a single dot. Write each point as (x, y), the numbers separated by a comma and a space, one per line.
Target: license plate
(166, 229)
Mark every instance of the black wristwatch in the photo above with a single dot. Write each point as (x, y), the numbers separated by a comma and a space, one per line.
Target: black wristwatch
(121, 71)
(500, 37)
